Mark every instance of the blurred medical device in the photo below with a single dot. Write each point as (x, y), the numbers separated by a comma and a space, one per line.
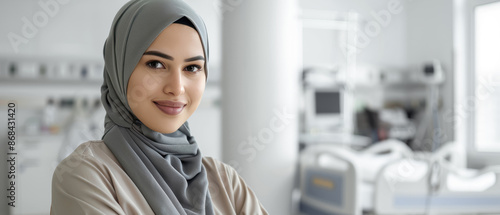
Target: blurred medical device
(432, 75)
(388, 178)
(327, 113)
(325, 101)
(340, 180)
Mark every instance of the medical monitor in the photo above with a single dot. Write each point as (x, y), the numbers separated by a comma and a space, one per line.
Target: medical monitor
(327, 102)
(324, 109)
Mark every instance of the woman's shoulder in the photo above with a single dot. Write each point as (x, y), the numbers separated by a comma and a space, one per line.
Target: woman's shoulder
(211, 162)
(94, 149)
(91, 181)
(230, 193)
(91, 148)
(213, 165)
(222, 173)
(85, 156)
(88, 157)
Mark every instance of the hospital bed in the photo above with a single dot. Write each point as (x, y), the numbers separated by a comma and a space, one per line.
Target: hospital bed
(434, 186)
(402, 186)
(339, 180)
(387, 178)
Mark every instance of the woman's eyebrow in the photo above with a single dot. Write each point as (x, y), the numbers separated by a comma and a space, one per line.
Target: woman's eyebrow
(199, 57)
(166, 56)
(159, 54)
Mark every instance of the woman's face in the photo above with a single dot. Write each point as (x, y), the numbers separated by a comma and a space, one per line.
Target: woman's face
(167, 84)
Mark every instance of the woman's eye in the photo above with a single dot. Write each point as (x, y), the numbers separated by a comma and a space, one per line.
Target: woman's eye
(193, 68)
(155, 64)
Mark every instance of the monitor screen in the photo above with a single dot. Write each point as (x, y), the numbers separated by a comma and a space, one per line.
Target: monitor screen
(327, 102)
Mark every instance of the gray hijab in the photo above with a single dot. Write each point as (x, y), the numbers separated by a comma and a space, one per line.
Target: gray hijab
(167, 168)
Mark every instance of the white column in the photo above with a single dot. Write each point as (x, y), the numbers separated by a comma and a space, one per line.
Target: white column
(461, 67)
(260, 80)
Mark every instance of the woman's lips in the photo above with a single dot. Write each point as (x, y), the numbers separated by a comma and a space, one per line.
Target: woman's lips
(170, 107)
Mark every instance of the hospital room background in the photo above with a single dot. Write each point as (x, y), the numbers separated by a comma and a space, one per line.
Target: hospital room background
(322, 106)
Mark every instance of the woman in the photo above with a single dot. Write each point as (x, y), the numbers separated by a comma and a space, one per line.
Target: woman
(147, 162)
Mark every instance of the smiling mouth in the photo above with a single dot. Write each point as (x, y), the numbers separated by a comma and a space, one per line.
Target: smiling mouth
(170, 108)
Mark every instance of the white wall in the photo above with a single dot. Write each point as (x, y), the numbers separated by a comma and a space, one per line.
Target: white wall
(77, 28)
(382, 42)
(430, 36)
(388, 47)
(461, 67)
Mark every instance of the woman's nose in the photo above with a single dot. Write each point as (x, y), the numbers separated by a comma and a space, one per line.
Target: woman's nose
(174, 84)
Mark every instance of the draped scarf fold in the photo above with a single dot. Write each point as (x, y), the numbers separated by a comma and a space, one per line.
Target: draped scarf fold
(166, 168)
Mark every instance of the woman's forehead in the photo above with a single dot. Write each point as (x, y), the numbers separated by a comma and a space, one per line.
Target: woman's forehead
(180, 37)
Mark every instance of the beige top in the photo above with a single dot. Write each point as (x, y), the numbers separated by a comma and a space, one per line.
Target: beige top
(91, 181)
